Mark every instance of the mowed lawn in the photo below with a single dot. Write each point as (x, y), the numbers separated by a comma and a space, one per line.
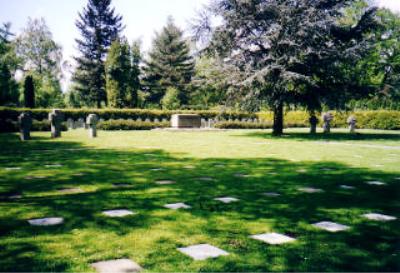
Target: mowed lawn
(119, 170)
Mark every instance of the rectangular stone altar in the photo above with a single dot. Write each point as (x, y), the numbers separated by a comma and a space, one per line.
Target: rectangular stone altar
(185, 121)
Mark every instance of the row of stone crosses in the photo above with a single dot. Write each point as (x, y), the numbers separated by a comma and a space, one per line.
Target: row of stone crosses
(56, 117)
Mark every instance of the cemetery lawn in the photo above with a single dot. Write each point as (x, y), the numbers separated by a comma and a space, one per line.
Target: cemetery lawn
(119, 170)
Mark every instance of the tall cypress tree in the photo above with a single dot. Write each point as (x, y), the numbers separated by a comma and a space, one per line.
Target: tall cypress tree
(29, 92)
(99, 27)
(169, 64)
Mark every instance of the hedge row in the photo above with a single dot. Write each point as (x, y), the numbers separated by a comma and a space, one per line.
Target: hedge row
(107, 114)
(380, 119)
(122, 124)
(10, 126)
(242, 125)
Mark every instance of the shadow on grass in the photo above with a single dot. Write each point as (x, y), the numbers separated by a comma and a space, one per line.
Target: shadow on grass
(367, 246)
(336, 136)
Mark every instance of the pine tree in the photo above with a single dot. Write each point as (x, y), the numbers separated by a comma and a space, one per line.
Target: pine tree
(169, 64)
(29, 92)
(118, 74)
(99, 27)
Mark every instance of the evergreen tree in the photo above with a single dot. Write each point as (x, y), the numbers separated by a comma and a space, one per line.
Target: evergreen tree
(99, 27)
(29, 92)
(118, 73)
(135, 85)
(169, 64)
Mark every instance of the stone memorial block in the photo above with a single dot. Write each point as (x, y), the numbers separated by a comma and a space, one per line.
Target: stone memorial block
(56, 117)
(91, 121)
(25, 124)
(327, 118)
(352, 121)
(185, 121)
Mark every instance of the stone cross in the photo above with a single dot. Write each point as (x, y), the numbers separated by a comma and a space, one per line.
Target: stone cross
(313, 122)
(55, 118)
(25, 124)
(327, 118)
(352, 123)
(91, 121)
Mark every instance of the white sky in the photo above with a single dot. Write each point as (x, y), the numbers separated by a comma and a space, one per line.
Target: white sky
(141, 17)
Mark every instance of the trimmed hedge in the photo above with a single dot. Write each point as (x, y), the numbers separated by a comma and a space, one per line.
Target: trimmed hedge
(380, 119)
(123, 124)
(107, 114)
(10, 126)
(242, 125)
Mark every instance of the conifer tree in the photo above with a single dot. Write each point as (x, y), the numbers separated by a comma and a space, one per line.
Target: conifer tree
(99, 27)
(135, 84)
(118, 72)
(169, 64)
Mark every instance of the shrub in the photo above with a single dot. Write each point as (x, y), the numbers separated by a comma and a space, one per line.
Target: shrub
(242, 125)
(171, 99)
(121, 124)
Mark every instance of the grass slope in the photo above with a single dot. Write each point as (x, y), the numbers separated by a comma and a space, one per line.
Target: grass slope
(152, 235)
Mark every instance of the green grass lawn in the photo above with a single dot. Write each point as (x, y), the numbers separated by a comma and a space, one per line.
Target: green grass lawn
(152, 236)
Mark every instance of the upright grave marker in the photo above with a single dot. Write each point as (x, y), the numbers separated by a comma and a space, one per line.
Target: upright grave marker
(25, 124)
(327, 118)
(55, 118)
(91, 121)
(352, 121)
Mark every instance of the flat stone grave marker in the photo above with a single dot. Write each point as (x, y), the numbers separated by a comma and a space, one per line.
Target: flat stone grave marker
(53, 166)
(241, 175)
(273, 238)
(206, 178)
(13, 168)
(346, 187)
(121, 185)
(271, 194)
(165, 182)
(189, 167)
(117, 266)
(70, 190)
(156, 169)
(203, 251)
(331, 226)
(310, 190)
(15, 196)
(176, 206)
(376, 183)
(118, 213)
(301, 171)
(379, 217)
(51, 221)
(226, 200)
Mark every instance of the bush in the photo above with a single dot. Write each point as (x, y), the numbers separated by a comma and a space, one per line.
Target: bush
(106, 114)
(122, 124)
(171, 99)
(382, 119)
(242, 125)
(11, 126)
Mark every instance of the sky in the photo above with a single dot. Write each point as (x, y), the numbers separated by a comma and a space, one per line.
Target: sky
(141, 17)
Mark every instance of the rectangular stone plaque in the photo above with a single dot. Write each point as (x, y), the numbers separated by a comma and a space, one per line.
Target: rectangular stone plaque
(185, 121)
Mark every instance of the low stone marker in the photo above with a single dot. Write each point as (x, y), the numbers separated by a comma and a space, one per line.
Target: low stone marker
(52, 221)
(25, 124)
(55, 118)
(177, 206)
(327, 118)
(273, 238)
(118, 213)
(117, 266)
(352, 121)
(313, 124)
(185, 121)
(310, 190)
(91, 121)
(227, 200)
(331, 226)
(379, 217)
(202, 251)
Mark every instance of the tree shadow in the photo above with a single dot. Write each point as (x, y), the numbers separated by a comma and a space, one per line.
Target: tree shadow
(367, 246)
(333, 136)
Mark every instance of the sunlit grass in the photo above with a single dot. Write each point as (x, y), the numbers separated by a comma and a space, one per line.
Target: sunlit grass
(151, 236)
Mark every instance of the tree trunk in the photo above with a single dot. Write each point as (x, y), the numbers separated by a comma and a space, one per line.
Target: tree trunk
(278, 120)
